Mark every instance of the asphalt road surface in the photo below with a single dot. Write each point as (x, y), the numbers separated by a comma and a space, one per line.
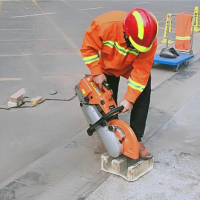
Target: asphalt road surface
(39, 51)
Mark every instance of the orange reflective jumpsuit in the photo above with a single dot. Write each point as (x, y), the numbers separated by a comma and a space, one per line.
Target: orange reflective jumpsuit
(104, 50)
(183, 31)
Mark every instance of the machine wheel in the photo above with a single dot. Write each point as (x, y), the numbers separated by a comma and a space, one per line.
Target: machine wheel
(176, 68)
(186, 63)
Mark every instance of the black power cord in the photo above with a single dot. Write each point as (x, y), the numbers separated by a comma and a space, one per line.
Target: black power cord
(20, 106)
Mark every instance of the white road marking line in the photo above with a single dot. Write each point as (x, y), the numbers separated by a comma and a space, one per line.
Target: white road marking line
(55, 76)
(40, 54)
(35, 15)
(90, 8)
(28, 54)
(141, 3)
(10, 79)
(6, 55)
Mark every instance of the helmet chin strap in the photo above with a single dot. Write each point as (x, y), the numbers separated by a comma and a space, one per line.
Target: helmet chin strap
(128, 43)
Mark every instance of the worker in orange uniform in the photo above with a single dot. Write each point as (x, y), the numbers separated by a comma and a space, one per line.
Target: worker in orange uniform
(123, 44)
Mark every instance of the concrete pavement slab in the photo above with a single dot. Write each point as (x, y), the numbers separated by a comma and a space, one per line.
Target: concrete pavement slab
(157, 185)
(68, 171)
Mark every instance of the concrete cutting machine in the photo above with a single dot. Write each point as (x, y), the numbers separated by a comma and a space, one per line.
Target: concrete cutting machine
(117, 136)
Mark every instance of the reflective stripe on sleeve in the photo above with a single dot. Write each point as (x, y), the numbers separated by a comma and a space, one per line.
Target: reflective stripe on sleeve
(109, 43)
(134, 51)
(91, 59)
(135, 85)
(120, 49)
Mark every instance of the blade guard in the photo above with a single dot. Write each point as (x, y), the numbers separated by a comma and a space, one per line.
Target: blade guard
(129, 141)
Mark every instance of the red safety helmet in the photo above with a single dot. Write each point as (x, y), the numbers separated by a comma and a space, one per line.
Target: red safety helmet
(141, 28)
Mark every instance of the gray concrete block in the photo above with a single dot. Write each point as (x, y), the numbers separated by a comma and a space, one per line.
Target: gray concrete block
(129, 169)
(139, 169)
(120, 165)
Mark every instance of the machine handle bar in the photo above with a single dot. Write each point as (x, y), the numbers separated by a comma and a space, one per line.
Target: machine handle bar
(92, 127)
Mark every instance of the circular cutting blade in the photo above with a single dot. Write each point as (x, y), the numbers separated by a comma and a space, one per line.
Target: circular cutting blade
(127, 137)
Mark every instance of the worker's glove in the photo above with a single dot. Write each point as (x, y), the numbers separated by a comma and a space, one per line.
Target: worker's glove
(98, 79)
(127, 105)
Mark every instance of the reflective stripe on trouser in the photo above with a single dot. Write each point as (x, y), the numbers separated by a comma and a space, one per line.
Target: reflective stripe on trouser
(183, 38)
(140, 108)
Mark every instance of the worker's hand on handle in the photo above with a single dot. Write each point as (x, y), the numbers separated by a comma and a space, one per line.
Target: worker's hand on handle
(127, 105)
(98, 79)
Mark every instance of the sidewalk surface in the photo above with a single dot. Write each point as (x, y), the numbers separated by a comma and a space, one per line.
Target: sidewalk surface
(176, 149)
(45, 152)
